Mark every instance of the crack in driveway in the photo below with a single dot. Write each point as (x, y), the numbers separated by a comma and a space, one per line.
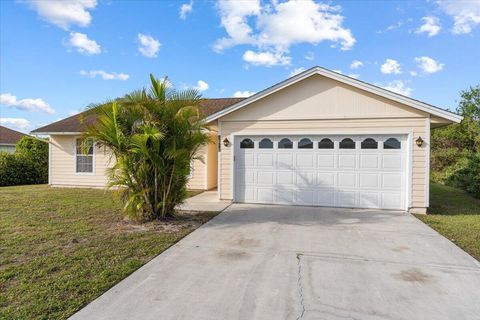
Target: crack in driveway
(300, 287)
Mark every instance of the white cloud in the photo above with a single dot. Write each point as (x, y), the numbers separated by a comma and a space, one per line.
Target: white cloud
(398, 86)
(353, 75)
(413, 73)
(296, 71)
(31, 105)
(17, 123)
(466, 14)
(428, 65)
(63, 13)
(391, 67)
(266, 58)
(356, 64)
(185, 9)
(83, 44)
(337, 71)
(201, 86)
(273, 28)
(431, 26)
(243, 94)
(105, 75)
(391, 27)
(149, 46)
(310, 56)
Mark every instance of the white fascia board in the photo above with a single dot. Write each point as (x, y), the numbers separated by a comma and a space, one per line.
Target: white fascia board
(344, 79)
(57, 133)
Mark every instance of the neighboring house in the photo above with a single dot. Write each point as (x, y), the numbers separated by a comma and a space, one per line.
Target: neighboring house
(318, 139)
(8, 139)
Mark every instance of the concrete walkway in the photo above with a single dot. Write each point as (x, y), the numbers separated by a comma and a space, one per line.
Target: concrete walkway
(280, 262)
(205, 201)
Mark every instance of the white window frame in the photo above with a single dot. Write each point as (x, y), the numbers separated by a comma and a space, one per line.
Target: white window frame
(75, 159)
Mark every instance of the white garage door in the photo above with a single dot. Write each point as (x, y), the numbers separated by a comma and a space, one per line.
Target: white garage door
(367, 171)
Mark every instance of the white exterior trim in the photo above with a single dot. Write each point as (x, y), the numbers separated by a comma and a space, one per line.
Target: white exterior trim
(49, 161)
(94, 146)
(409, 197)
(427, 162)
(219, 161)
(57, 133)
(344, 79)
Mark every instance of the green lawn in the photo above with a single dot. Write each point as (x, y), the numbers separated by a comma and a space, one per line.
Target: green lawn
(61, 248)
(455, 215)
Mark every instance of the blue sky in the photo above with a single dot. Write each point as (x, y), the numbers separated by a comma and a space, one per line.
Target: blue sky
(56, 57)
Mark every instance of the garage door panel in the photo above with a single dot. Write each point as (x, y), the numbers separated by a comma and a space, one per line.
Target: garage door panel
(265, 160)
(369, 200)
(285, 160)
(305, 178)
(325, 179)
(265, 177)
(391, 200)
(365, 178)
(392, 162)
(285, 196)
(326, 197)
(326, 161)
(369, 161)
(346, 179)
(346, 199)
(306, 197)
(304, 161)
(265, 195)
(346, 161)
(391, 181)
(369, 180)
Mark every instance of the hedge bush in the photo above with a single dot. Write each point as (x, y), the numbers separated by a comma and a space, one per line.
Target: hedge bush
(28, 165)
(467, 175)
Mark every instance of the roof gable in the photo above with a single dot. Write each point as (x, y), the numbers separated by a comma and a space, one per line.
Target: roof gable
(319, 97)
(369, 88)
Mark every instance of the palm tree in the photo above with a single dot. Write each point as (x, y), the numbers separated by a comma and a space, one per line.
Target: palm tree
(153, 136)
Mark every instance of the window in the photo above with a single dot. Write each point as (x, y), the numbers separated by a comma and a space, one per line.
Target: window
(347, 143)
(84, 156)
(391, 143)
(265, 144)
(285, 144)
(246, 144)
(369, 143)
(325, 144)
(305, 143)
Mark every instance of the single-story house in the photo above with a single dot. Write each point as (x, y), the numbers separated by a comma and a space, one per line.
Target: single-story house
(319, 138)
(8, 139)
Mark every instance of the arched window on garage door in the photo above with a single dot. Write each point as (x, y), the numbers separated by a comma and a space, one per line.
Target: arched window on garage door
(347, 143)
(305, 143)
(369, 143)
(325, 144)
(265, 143)
(285, 143)
(392, 143)
(247, 144)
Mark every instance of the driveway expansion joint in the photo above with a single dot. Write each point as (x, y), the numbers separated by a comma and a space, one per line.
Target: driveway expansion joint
(300, 287)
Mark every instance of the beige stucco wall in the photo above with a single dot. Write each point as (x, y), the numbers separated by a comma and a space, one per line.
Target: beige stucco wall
(318, 105)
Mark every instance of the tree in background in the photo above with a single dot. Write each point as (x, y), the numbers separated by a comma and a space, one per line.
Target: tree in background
(455, 156)
(153, 136)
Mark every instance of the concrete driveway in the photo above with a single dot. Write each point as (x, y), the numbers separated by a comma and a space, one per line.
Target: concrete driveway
(280, 262)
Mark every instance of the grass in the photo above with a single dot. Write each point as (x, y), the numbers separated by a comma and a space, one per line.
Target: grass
(455, 215)
(61, 248)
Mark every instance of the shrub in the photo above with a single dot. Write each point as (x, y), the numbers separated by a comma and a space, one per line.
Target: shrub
(28, 165)
(467, 175)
